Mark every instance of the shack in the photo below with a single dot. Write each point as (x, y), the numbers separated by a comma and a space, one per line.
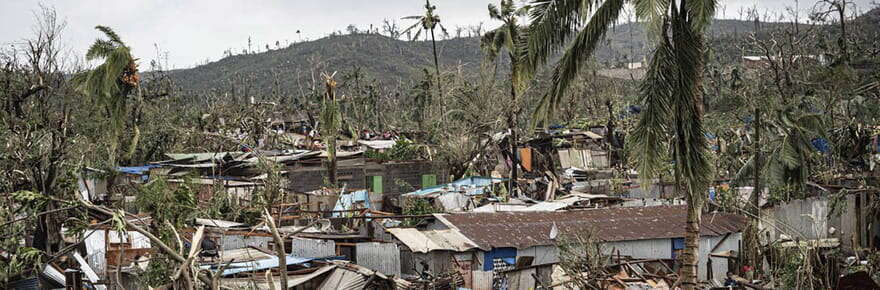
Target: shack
(510, 240)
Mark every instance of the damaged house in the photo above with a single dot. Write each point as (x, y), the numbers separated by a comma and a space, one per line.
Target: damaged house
(491, 244)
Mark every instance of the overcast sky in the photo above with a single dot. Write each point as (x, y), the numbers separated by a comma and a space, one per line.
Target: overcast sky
(194, 30)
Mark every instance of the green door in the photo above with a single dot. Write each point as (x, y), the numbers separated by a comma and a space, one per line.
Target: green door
(429, 180)
(375, 183)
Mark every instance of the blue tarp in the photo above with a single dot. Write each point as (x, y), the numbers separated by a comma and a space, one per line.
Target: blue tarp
(633, 109)
(821, 145)
(346, 201)
(677, 244)
(508, 255)
(138, 170)
(477, 183)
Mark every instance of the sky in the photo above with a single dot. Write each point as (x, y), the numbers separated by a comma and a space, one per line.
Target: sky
(193, 31)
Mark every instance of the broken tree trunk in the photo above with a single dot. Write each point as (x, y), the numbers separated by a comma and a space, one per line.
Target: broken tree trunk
(279, 246)
(153, 239)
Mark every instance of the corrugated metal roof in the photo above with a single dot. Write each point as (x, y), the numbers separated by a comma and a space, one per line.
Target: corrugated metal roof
(259, 282)
(257, 265)
(450, 239)
(496, 207)
(526, 229)
(414, 239)
(472, 185)
(220, 223)
(426, 241)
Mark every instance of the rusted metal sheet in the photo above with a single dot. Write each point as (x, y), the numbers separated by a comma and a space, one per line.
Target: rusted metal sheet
(525, 229)
(381, 257)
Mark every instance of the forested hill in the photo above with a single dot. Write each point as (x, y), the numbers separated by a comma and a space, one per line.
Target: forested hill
(380, 57)
(391, 61)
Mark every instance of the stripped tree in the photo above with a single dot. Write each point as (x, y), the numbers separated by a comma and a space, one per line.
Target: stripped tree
(110, 84)
(428, 23)
(509, 37)
(330, 123)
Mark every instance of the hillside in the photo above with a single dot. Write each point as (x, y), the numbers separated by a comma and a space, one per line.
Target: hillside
(380, 57)
(392, 61)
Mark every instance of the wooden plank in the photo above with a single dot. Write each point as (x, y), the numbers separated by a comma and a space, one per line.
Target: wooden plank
(525, 158)
(564, 159)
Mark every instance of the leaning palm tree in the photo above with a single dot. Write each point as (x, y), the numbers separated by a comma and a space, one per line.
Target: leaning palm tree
(428, 23)
(671, 120)
(509, 37)
(111, 83)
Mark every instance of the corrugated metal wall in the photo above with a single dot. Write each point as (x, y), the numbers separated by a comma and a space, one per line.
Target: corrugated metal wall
(521, 279)
(312, 248)
(438, 262)
(662, 249)
(642, 249)
(382, 257)
(803, 218)
(230, 242)
(808, 219)
(483, 280)
(719, 265)
(543, 254)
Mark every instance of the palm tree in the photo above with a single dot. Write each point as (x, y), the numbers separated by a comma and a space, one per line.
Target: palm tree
(791, 134)
(330, 123)
(509, 37)
(111, 83)
(671, 91)
(428, 22)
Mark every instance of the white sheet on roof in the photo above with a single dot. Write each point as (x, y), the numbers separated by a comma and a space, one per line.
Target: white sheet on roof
(426, 241)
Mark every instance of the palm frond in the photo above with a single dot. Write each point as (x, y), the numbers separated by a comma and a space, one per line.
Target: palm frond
(418, 33)
(813, 124)
(110, 34)
(691, 159)
(745, 172)
(553, 22)
(701, 13)
(653, 13)
(578, 53)
(408, 29)
(789, 155)
(493, 42)
(100, 49)
(650, 134)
